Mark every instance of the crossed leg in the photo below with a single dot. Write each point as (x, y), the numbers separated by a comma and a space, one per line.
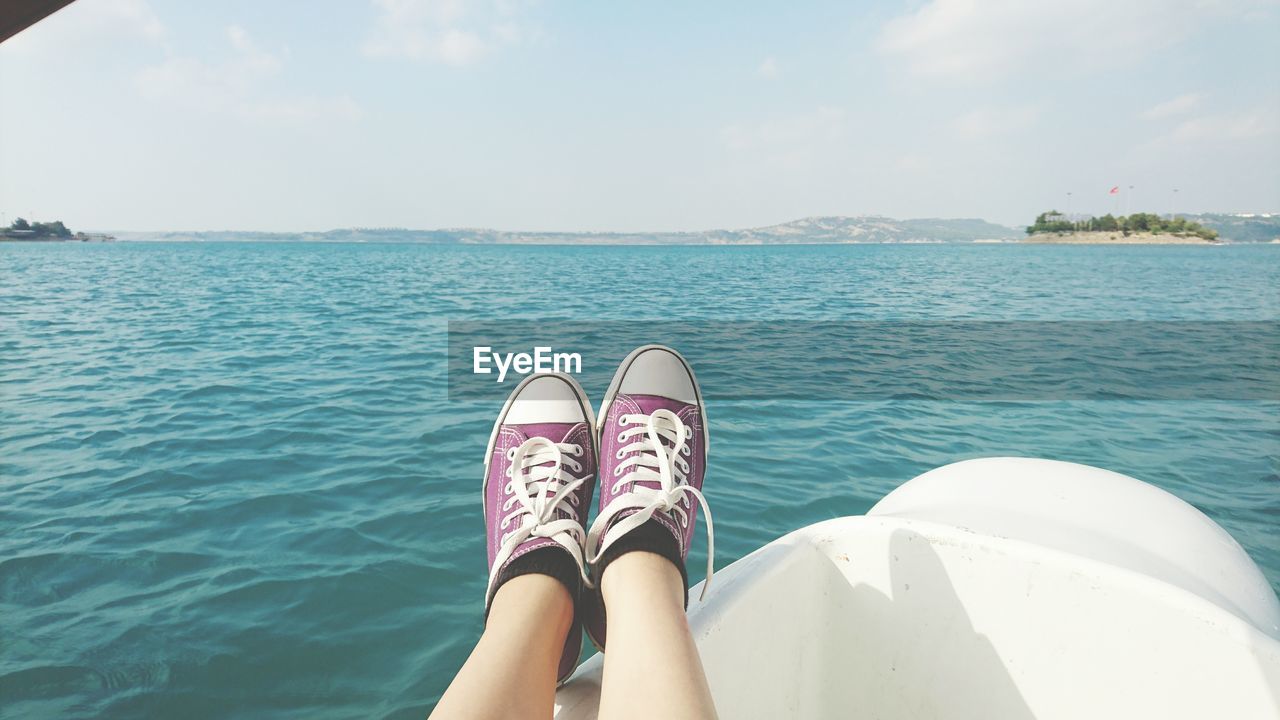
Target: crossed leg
(652, 668)
(511, 673)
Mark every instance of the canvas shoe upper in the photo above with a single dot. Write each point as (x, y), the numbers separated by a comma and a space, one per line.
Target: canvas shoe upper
(540, 470)
(653, 455)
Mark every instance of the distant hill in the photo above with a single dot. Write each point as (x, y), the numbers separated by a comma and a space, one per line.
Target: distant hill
(868, 229)
(835, 229)
(1259, 227)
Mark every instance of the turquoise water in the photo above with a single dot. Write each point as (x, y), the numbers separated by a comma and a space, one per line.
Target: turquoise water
(232, 483)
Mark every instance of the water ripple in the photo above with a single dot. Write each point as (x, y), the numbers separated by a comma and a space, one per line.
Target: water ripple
(232, 483)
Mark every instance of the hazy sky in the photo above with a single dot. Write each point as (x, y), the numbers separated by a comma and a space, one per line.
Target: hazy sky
(307, 115)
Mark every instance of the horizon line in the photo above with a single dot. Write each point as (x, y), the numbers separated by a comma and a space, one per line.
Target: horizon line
(481, 228)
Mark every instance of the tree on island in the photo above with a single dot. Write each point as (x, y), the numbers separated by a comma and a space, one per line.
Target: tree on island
(1055, 222)
(55, 228)
(1051, 221)
(40, 229)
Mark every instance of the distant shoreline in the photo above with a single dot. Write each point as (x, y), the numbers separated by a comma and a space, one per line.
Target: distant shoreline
(73, 239)
(1115, 238)
(811, 231)
(1148, 239)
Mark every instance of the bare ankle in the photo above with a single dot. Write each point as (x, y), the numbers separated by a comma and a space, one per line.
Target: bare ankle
(642, 576)
(536, 598)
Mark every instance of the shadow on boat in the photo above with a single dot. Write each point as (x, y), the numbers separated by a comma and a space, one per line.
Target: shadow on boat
(914, 651)
(796, 630)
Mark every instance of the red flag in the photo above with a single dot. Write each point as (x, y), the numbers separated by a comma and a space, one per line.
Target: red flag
(1115, 190)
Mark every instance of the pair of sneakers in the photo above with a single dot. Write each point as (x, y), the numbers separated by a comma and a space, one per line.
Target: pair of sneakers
(647, 446)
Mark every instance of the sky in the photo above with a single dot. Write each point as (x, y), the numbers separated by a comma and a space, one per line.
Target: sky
(300, 115)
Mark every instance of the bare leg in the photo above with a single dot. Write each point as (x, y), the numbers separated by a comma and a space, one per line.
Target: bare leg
(511, 673)
(651, 667)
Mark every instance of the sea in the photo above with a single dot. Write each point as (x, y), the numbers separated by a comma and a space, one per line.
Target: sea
(242, 480)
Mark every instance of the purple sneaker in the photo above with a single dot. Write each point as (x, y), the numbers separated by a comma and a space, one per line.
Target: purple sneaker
(653, 456)
(539, 473)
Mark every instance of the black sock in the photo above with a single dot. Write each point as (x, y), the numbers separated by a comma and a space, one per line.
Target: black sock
(552, 560)
(650, 536)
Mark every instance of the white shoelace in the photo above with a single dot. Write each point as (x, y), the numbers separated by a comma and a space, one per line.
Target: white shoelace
(651, 462)
(539, 491)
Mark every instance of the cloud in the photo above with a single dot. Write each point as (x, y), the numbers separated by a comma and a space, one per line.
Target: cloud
(450, 32)
(788, 142)
(236, 86)
(823, 123)
(985, 40)
(1224, 128)
(1251, 133)
(769, 68)
(994, 121)
(1180, 105)
(459, 47)
(912, 162)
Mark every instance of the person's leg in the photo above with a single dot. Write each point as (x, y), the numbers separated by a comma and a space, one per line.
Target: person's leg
(540, 471)
(652, 669)
(653, 458)
(511, 673)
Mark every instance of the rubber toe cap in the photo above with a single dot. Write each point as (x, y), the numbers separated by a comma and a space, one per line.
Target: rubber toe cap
(660, 372)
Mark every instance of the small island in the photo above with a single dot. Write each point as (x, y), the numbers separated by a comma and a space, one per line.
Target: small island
(1138, 228)
(21, 230)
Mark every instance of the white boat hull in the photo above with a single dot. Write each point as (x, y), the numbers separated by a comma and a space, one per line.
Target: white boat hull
(1000, 588)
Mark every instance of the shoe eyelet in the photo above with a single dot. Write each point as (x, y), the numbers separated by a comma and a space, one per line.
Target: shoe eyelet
(686, 451)
(617, 471)
(511, 453)
(619, 455)
(505, 524)
(577, 451)
(624, 420)
(620, 438)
